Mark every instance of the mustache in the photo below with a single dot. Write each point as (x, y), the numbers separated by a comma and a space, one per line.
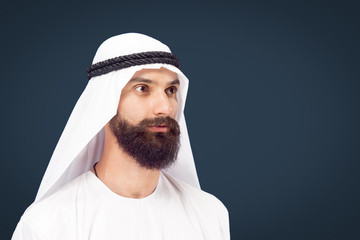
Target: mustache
(159, 121)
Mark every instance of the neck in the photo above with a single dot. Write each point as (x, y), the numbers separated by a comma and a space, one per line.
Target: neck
(121, 173)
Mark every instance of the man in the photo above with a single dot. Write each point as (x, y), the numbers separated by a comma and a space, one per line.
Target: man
(123, 167)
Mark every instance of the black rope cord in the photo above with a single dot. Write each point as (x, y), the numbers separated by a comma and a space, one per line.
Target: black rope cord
(130, 60)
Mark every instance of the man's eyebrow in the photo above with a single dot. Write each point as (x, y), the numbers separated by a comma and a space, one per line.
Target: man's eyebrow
(175, 82)
(142, 80)
(145, 80)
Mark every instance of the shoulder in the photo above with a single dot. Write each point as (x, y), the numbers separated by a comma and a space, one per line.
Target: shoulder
(207, 208)
(196, 196)
(53, 215)
(62, 198)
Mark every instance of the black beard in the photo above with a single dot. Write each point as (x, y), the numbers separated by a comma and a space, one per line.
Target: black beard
(152, 150)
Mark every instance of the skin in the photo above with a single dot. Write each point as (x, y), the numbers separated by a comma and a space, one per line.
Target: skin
(149, 93)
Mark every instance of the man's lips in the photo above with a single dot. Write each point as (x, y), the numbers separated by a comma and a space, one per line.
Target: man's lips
(158, 128)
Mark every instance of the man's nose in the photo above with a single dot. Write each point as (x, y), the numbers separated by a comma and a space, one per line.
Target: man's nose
(162, 105)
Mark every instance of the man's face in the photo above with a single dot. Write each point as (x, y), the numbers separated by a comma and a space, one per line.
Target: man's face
(144, 125)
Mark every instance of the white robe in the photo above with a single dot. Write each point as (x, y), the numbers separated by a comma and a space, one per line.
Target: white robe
(87, 209)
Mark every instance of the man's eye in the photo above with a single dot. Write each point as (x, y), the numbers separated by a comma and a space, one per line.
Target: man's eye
(171, 90)
(141, 88)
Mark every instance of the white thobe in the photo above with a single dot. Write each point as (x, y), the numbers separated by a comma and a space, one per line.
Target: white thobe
(87, 209)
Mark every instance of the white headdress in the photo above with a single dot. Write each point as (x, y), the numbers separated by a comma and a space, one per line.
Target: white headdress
(81, 143)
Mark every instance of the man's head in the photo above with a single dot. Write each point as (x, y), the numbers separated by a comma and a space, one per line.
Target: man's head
(144, 125)
(117, 60)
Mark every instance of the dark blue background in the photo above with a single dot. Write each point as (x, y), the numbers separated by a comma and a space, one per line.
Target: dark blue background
(272, 109)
